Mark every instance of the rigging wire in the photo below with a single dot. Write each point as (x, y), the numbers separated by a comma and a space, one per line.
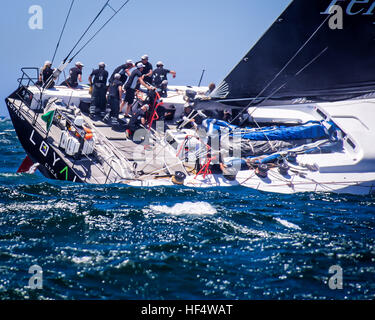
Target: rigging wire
(251, 103)
(58, 71)
(282, 70)
(278, 89)
(62, 31)
(88, 28)
(102, 27)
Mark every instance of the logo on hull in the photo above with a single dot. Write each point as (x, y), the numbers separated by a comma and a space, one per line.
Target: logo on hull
(46, 152)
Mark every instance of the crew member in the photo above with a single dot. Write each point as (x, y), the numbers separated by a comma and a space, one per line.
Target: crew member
(45, 75)
(226, 116)
(99, 89)
(159, 78)
(147, 70)
(75, 76)
(163, 114)
(189, 118)
(137, 120)
(114, 96)
(123, 70)
(211, 88)
(132, 84)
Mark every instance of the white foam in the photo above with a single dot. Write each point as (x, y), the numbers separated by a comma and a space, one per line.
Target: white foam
(287, 224)
(34, 206)
(186, 208)
(81, 260)
(33, 168)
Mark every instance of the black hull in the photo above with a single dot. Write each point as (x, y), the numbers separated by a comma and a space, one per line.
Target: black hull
(52, 164)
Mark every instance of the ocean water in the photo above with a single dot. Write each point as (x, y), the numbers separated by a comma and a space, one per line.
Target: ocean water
(120, 242)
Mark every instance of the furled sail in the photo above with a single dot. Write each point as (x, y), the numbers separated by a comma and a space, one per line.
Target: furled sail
(319, 50)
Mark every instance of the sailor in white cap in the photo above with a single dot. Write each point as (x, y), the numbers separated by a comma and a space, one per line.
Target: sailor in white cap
(190, 118)
(45, 75)
(123, 70)
(147, 70)
(133, 83)
(159, 78)
(98, 81)
(75, 76)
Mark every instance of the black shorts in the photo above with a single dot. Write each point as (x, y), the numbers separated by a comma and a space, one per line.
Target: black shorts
(129, 96)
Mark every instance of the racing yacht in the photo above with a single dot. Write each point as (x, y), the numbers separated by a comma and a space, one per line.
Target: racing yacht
(301, 105)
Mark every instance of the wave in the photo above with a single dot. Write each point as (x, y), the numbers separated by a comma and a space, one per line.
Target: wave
(287, 224)
(186, 208)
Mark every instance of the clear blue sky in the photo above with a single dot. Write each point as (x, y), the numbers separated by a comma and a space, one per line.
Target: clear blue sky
(188, 36)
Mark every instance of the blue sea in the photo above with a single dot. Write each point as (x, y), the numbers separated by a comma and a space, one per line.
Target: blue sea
(120, 242)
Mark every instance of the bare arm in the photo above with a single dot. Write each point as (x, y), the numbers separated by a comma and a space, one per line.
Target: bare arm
(144, 83)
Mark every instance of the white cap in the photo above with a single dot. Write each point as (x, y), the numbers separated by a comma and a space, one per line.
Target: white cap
(130, 61)
(101, 64)
(117, 76)
(144, 57)
(47, 62)
(78, 121)
(188, 105)
(140, 65)
(160, 63)
(78, 63)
